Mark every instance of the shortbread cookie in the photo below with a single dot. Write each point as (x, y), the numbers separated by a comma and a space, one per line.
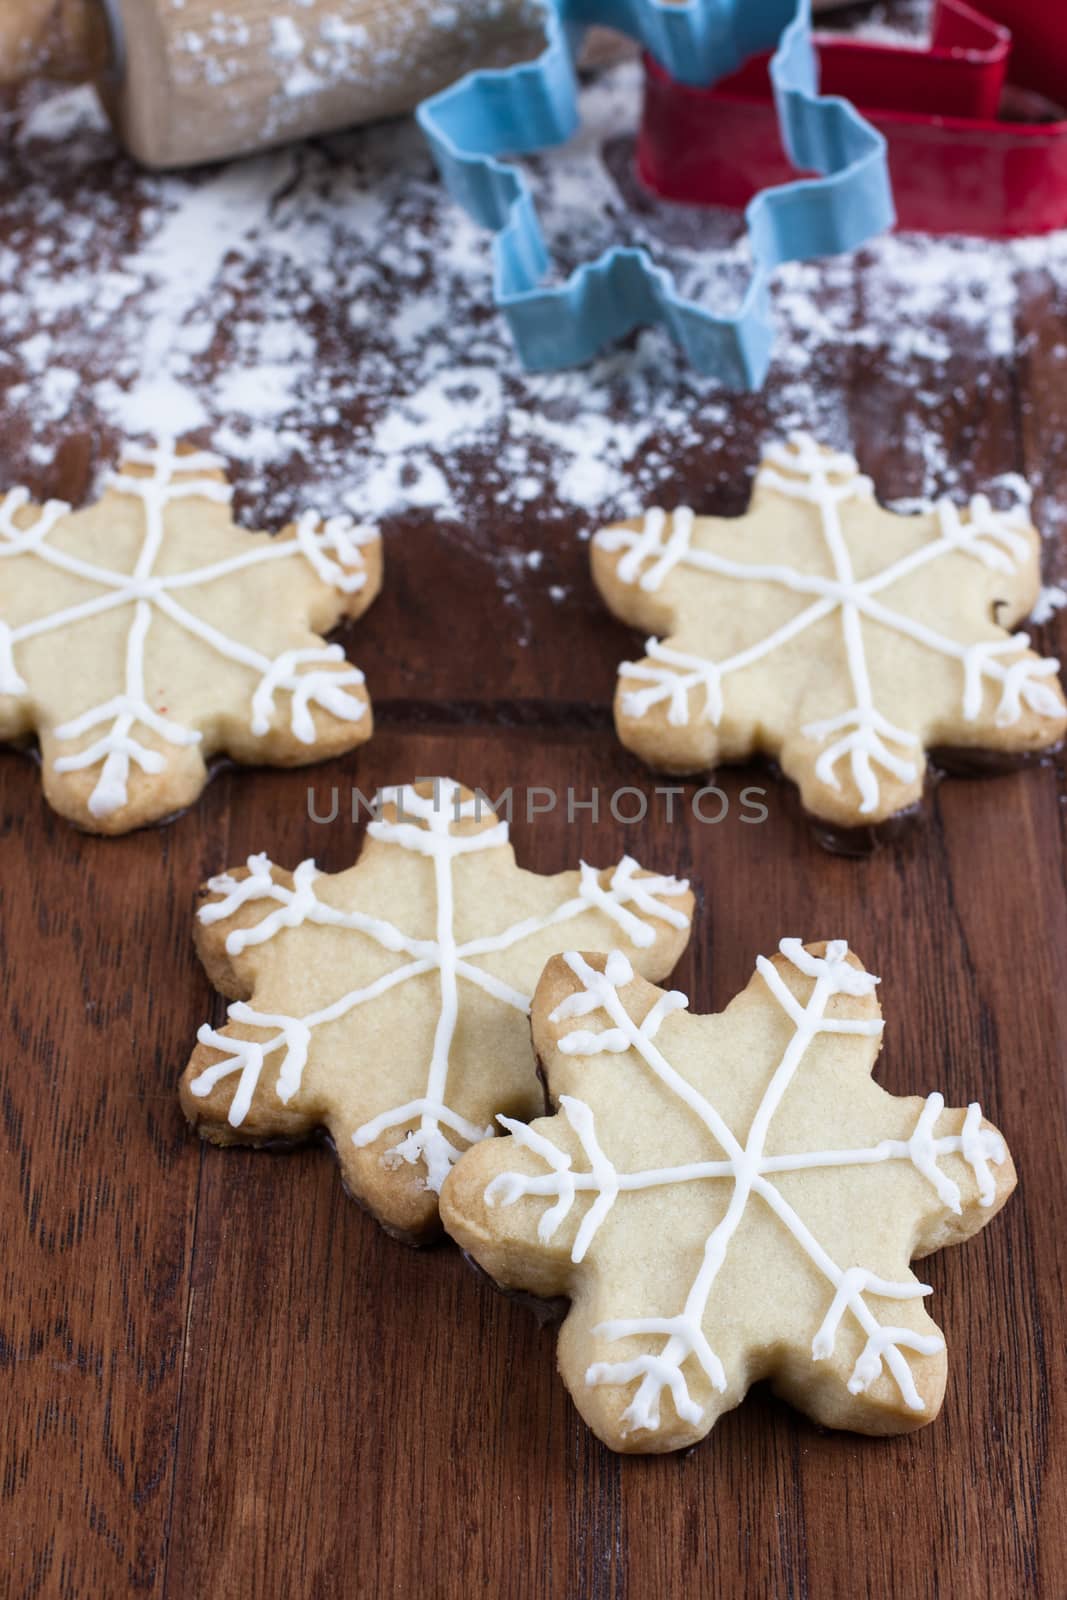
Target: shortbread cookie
(826, 632)
(144, 634)
(728, 1198)
(388, 1005)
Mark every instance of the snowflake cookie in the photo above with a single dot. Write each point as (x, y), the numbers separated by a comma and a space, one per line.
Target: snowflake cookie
(831, 634)
(728, 1198)
(388, 1005)
(145, 633)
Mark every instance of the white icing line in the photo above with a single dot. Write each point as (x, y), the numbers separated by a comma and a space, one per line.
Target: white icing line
(333, 550)
(800, 470)
(749, 1168)
(629, 904)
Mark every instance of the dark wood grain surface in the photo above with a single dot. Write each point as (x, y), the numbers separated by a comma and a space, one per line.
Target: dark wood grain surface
(219, 1378)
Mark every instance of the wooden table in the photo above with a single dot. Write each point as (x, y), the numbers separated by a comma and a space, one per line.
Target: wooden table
(220, 1378)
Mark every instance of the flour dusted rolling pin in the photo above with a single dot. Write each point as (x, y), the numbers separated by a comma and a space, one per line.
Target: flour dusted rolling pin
(186, 81)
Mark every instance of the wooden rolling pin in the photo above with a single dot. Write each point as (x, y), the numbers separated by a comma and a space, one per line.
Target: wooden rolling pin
(186, 81)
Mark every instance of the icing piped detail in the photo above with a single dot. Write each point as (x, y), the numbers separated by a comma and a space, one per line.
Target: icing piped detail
(333, 549)
(423, 825)
(745, 1165)
(691, 686)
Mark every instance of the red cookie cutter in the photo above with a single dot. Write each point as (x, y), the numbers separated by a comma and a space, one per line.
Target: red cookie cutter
(957, 167)
(1039, 35)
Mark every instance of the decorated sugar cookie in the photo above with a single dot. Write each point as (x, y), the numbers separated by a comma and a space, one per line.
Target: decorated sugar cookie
(147, 632)
(728, 1198)
(826, 632)
(388, 1005)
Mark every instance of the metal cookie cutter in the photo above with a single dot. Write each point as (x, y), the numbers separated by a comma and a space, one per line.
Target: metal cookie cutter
(956, 166)
(525, 108)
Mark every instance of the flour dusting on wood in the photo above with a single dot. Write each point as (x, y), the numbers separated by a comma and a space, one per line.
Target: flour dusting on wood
(322, 316)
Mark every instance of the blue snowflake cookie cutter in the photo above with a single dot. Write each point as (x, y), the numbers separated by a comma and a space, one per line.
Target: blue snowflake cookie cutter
(518, 110)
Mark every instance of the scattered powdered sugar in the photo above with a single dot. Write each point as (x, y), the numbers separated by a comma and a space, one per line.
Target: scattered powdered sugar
(378, 57)
(1052, 598)
(901, 23)
(322, 316)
